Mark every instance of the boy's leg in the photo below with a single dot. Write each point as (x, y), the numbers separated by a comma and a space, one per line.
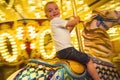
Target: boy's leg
(72, 54)
(92, 70)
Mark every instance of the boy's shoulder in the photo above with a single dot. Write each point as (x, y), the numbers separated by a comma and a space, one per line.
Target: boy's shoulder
(56, 19)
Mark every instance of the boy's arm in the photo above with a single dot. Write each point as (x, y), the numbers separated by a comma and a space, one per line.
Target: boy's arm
(70, 28)
(71, 24)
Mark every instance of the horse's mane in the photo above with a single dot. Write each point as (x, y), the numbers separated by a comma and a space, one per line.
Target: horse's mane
(96, 40)
(94, 14)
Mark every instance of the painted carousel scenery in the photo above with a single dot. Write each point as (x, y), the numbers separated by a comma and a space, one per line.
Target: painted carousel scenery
(27, 50)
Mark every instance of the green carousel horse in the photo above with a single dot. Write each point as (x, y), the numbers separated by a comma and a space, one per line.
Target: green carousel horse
(97, 44)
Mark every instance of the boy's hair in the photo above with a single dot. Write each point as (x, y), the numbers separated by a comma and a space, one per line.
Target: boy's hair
(47, 4)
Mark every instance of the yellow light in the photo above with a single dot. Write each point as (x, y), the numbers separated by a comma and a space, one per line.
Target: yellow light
(32, 45)
(117, 8)
(43, 2)
(112, 30)
(15, 53)
(31, 2)
(86, 8)
(42, 50)
(12, 42)
(80, 2)
(111, 6)
(42, 40)
(37, 15)
(42, 47)
(5, 54)
(20, 37)
(1, 39)
(14, 49)
(2, 46)
(4, 51)
(32, 8)
(11, 39)
(19, 34)
(22, 46)
(12, 58)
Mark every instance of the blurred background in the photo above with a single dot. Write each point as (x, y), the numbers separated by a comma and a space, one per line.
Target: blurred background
(11, 10)
(25, 31)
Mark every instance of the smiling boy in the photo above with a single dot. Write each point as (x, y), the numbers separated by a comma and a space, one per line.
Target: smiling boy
(61, 36)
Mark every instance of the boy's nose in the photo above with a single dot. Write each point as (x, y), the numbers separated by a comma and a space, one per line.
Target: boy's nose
(54, 11)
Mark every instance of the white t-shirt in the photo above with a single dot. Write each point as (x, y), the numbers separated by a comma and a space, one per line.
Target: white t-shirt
(60, 34)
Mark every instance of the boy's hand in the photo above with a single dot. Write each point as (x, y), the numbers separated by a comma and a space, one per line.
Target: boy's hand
(77, 19)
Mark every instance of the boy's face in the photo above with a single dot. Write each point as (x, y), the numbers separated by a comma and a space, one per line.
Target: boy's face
(52, 11)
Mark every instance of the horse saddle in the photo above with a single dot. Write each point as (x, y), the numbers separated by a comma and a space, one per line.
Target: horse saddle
(74, 66)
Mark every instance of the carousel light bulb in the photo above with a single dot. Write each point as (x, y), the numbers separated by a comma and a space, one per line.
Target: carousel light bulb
(11, 59)
(15, 53)
(80, 2)
(20, 35)
(43, 2)
(7, 56)
(64, 13)
(41, 41)
(32, 45)
(22, 46)
(45, 56)
(19, 31)
(42, 48)
(20, 38)
(2, 45)
(13, 42)
(4, 34)
(2, 39)
(2, 48)
(14, 56)
(32, 8)
(2, 19)
(117, 8)
(32, 35)
(80, 9)
(86, 8)
(113, 30)
(37, 14)
(31, 2)
(111, 6)
(31, 27)
(4, 54)
(14, 49)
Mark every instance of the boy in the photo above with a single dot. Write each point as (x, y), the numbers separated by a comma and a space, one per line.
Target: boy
(61, 35)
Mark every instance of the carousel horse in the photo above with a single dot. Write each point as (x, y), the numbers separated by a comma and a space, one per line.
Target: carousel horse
(98, 44)
(95, 37)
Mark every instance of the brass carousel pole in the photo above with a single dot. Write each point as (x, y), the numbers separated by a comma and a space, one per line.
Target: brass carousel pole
(79, 38)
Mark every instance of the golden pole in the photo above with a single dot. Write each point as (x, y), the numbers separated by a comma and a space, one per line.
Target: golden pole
(79, 38)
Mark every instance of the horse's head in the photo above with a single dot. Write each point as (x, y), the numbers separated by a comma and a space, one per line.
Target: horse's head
(106, 18)
(109, 14)
(96, 40)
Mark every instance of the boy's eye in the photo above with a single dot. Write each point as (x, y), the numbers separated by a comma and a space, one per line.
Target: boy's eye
(56, 8)
(50, 10)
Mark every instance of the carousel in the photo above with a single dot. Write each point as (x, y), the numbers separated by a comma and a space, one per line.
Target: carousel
(27, 51)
